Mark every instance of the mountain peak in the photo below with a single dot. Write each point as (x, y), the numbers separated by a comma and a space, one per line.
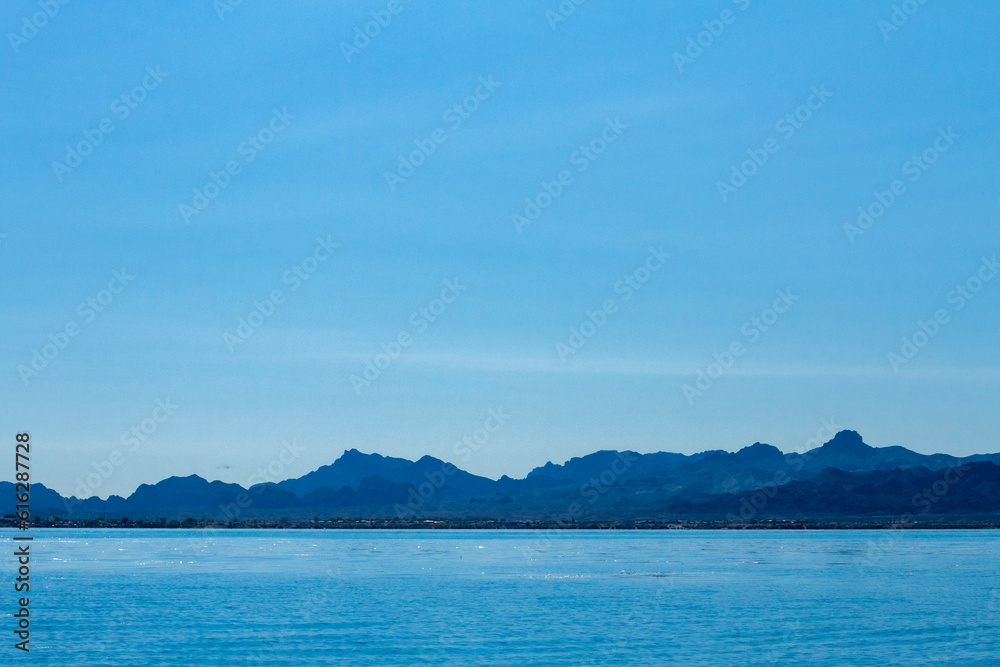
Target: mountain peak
(848, 441)
(177, 480)
(759, 452)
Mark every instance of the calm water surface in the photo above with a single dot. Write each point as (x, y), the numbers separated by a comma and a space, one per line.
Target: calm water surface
(189, 597)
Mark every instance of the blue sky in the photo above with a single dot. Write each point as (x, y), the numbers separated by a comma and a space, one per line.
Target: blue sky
(318, 171)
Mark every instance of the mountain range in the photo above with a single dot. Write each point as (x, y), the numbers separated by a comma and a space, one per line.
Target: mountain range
(844, 478)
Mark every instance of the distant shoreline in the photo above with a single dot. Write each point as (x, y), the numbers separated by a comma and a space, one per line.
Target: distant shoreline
(491, 524)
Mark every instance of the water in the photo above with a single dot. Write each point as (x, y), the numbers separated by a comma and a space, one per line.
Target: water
(189, 597)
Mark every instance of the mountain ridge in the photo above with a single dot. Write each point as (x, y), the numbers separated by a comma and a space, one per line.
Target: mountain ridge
(607, 482)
